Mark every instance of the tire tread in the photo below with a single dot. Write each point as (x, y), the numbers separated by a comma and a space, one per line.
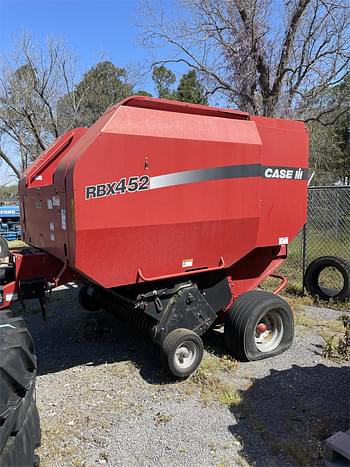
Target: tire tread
(236, 323)
(19, 421)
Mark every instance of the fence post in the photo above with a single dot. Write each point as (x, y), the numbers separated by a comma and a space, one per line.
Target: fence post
(304, 252)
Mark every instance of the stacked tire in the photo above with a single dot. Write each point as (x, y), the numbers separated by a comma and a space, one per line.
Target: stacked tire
(19, 419)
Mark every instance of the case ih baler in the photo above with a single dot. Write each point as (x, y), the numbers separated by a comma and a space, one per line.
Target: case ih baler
(171, 215)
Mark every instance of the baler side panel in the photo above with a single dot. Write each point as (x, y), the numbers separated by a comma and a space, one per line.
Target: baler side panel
(284, 200)
(157, 230)
(43, 204)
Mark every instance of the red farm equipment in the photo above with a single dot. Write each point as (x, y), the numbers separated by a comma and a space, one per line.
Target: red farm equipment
(171, 215)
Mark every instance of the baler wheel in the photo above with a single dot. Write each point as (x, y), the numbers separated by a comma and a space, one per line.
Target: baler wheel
(86, 299)
(181, 352)
(259, 325)
(19, 419)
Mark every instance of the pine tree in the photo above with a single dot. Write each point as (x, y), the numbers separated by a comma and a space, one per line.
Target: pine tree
(164, 79)
(191, 90)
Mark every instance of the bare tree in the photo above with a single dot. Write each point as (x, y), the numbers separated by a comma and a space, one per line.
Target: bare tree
(31, 84)
(41, 98)
(266, 57)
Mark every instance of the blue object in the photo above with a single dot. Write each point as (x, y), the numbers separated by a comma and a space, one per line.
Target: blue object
(10, 226)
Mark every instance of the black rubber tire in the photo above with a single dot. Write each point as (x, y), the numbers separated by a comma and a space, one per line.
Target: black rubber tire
(4, 248)
(314, 270)
(168, 349)
(19, 419)
(243, 318)
(86, 299)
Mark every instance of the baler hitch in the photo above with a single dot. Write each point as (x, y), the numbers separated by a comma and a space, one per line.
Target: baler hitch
(31, 289)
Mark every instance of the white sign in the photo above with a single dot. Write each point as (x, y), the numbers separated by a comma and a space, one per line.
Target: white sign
(187, 263)
(63, 219)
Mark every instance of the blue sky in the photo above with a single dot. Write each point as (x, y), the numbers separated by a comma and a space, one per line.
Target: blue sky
(93, 29)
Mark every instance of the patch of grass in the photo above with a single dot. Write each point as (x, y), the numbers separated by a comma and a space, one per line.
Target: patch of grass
(304, 446)
(293, 295)
(337, 347)
(333, 304)
(302, 319)
(209, 383)
(302, 456)
(230, 398)
(297, 301)
(214, 363)
(242, 462)
(222, 463)
(323, 327)
(326, 325)
(15, 244)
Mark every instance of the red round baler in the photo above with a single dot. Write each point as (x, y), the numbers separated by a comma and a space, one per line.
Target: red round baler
(172, 215)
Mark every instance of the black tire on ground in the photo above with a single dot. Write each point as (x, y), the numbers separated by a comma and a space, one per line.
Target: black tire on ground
(181, 352)
(86, 299)
(314, 270)
(19, 419)
(259, 325)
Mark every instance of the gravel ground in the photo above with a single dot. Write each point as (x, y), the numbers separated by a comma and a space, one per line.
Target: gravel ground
(103, 398)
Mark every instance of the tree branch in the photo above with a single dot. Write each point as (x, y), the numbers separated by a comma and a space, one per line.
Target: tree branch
(9, 163)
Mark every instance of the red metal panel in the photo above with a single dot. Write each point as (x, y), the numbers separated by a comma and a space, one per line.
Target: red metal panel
(284, 201)
(156, 230)
(35, 265)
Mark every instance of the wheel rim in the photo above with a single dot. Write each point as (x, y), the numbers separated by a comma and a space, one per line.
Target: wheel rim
(269, 331)
(185, 355)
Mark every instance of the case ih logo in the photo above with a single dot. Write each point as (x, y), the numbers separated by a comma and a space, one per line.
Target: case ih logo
(273, 172)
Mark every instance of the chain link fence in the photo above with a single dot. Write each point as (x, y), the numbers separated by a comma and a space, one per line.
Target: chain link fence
(327, 233)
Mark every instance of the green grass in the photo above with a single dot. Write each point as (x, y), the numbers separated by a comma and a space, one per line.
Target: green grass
(15, 244)
(318, 244)
(208, 381)
(337, 346)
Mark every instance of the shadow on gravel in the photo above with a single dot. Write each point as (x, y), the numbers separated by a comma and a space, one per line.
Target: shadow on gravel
(71, 337)
(294, 411)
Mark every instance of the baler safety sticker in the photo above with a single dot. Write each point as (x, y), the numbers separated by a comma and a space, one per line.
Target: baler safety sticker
(187, 263)
(56, 201)
(52, 231)
(63, 219)
(144, 182)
